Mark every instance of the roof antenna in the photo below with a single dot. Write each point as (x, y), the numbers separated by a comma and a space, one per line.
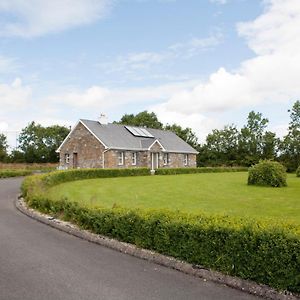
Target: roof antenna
(103, 119)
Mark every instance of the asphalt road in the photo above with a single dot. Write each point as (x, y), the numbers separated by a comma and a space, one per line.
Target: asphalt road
(38, 262)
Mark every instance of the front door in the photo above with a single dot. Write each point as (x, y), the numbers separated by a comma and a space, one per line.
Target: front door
(154, 160)
(75, 160)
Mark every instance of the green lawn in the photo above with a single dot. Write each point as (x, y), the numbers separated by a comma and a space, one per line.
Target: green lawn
(222, 193)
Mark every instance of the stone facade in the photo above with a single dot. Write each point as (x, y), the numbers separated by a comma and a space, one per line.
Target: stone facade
(89, 150)
(83, 150)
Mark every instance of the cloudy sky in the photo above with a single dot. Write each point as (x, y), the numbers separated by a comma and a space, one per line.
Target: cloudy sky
(199, 63)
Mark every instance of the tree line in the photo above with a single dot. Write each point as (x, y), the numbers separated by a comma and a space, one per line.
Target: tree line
(228, 146)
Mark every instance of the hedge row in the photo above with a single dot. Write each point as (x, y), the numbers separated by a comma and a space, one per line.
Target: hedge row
(174, 171)
(256, 251)
(58, 177)
(298, 172)
(265, 252)
(14, 173)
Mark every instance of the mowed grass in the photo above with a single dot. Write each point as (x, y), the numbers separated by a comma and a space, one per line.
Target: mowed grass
(220, 193)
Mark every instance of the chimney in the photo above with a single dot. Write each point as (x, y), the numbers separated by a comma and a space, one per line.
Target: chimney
(103, 119)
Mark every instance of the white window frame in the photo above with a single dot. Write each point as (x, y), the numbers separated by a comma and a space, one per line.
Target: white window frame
(67, 158)
(166, 159)
(120, 158)
(133, 158)
(185, 159)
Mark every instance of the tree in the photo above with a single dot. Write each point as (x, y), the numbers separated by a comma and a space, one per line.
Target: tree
(3, 147)
(142, 119)
(39, 144)
(270, 144)
(221, 147)
(251, 138)
(184, 133)
(290, 146)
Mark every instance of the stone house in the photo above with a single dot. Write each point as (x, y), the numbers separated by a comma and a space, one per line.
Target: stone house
(91, 144)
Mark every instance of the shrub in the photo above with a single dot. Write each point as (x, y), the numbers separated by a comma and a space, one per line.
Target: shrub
(14, 173)
(174, 171)
(298, 172)
(267, 173)
(268, 254)
(264, 251)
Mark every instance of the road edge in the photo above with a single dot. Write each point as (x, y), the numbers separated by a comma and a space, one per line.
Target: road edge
(170, 262)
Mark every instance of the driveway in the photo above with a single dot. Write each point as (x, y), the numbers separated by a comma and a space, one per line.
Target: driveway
(39, 262)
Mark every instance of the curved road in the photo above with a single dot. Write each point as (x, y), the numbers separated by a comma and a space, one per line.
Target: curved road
(38, 262)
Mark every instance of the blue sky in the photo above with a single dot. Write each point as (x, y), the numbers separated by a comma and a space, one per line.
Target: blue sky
(200, 63)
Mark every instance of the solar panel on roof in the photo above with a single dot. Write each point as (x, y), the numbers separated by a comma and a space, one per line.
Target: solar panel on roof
(136, 131)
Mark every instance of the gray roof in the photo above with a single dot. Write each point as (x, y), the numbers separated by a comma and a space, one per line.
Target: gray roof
(116, 136)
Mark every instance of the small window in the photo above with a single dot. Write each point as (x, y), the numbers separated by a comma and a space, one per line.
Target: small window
(121, 159)
(67, 158)
(166, 159)
(133, 158)
(185, 159)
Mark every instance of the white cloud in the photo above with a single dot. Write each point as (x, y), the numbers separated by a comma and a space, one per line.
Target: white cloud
(35, 17)
(144, 60)
(200, 124)
(218, 1)
(14, 96)
(8, 64)
(102, 98)
(272, 76)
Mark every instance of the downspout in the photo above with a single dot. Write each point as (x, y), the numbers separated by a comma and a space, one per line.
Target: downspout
(103, 158)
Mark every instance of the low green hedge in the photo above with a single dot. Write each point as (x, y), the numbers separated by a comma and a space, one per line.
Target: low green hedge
(14, 173)
(174, 171)
(265, 252)
(79, 174)
(298, 172)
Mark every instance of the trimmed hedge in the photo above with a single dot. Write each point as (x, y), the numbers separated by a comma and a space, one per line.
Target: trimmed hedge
(14, 173)
(267, 173)
(264, 251)
(298, 172)
(174, 171)
(79, 174)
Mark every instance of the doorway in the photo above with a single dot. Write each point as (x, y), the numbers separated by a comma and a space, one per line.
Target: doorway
(154, 160)
(75, 160)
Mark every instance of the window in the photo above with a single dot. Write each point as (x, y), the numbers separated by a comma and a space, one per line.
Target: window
(121, 159)
(185, 159)
(166, 158)
(67, 158)
(133, 158)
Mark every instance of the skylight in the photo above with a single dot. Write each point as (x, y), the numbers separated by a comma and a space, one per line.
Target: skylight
(137, 131)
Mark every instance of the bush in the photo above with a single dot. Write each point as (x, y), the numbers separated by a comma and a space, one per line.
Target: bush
(298, 172)
(14, 173)
(267, 173)
(265, 252)
(174, 171)
(256, 251)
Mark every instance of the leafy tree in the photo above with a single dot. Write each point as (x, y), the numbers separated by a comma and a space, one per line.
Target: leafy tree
(221, 147)
(142, 119)
(16, 156)
(184, 133)
(270, 144)
(3, 147)
(251, 138)
(39, 144)
(290, 146)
